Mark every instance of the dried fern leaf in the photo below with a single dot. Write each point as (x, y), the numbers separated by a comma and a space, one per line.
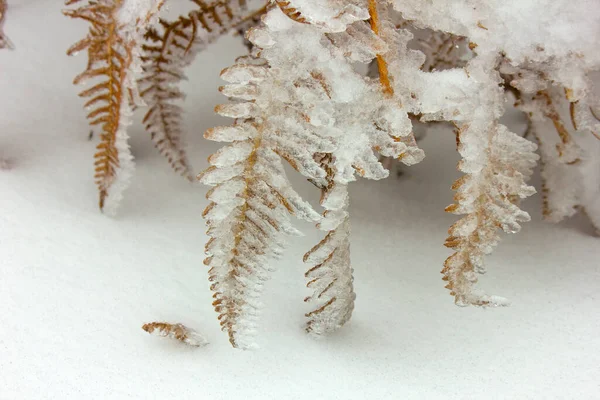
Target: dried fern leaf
(4, 41)
(168, 49)
(178, 332)
(330, 277)
(113, 45)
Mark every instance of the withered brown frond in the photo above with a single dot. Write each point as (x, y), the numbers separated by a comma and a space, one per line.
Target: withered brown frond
(4, 41)
(110, 45)
(168, 49)
(109, 58)
(175, 331)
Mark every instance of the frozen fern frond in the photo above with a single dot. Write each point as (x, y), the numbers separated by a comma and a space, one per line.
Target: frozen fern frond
(330, 277)
(168, 49)
(497, 164)
(113, 45)
(300, 98)
(249, 210)
(565, 127)
(250, 206)
(4, 41)
(570, 165)
(178, 332)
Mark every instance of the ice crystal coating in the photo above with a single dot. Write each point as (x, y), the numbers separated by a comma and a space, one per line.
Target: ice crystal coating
(299, 98)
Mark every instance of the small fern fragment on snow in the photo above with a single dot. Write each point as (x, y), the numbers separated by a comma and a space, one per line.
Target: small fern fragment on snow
(168, 49)
(113, 45)
(176, 331)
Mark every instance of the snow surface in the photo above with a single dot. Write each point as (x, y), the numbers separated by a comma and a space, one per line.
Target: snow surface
(76, 286)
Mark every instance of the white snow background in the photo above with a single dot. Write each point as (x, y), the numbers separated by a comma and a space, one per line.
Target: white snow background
(76, 286)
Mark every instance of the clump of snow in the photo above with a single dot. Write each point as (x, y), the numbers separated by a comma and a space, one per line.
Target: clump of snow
(133, 17)
(560, 37)
(126, 167)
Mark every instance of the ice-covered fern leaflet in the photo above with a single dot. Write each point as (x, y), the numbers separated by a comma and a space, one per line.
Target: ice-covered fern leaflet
(330, 276)
(497, 164)
(250, 203)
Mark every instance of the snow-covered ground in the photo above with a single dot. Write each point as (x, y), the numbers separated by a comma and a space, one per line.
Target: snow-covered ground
(76, 286)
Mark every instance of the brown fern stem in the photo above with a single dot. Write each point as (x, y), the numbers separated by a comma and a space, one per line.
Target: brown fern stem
(109, 136)
(384, 76)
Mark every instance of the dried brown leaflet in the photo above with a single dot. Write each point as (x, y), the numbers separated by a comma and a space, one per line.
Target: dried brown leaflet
(168, 49)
